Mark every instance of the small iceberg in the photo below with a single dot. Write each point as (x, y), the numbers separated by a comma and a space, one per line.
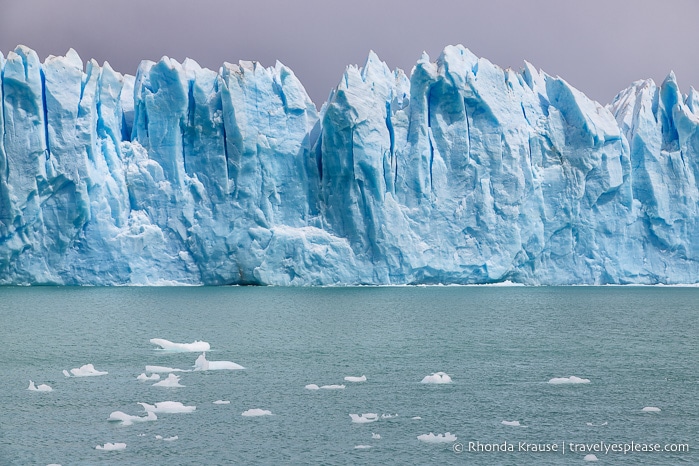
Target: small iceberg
(364, 418)
(590, 457)
(127, 419)
(512, 424)
(41, 388)
(166, 439)
(568, 380)
(375, 436)
(441, 438)
(651, 409)
(350, 378)
(202, 364)
(147, 378)
(195, 347)
(437, 378)
(169, 407)
(111, 446)
(222, 402)
(172, 381)
(88, 370)
(416, 418)
(332, 387)
(312, 386)
(256, 412)
(590, 424)
(163, 369)
(362, 447)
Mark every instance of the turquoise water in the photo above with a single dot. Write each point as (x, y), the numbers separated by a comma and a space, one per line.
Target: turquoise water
(637, 346)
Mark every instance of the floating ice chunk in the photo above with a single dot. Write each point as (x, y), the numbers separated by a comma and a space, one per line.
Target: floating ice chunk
(437, 377)
(41, 388)
(364, 418)
(172, 381)
(145, 378)
(651, 409)
(222, 402)
(127, 419)
(256, 412)
(166, 439)
(194, 347)
(88, 370)
(312, 386)
(164, 369)
(350, 378)
(568, 380)
(202, 364)
(590, 457)
(388, 416)
(512, 424)
(440, 438)
(590, 424)
(362, 447)
(416, 418)
(332, 387)
(169, 407)
(111, 446)
(375, 436)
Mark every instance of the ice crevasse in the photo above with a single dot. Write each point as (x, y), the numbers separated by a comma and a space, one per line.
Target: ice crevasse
(460, 173)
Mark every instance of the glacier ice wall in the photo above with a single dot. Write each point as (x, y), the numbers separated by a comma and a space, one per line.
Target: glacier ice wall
(461, 172)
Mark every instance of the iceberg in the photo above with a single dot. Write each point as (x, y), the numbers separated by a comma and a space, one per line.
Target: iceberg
(255, 412)
(166, 345)
(127, 419)
(39, 388)
(459, 172)
(439, 438)
(87, 370)
(169, 407)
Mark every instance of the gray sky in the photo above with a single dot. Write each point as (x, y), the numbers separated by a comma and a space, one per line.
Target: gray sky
(599, 46)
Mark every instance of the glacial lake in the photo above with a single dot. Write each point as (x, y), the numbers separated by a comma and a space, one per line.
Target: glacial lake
(501, 347)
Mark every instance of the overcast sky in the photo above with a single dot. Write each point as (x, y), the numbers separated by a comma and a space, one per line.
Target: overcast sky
(599, 46)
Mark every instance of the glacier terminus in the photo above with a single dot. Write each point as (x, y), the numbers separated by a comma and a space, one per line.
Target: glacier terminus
(460, 173)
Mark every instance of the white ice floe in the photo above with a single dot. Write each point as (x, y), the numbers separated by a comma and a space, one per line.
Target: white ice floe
(375, 436)
(147, 378)
(332, 387)
(88, 370)
(590, 457)
(202, 364)
(350, 378)
(568, 380)
(166, 439)
(256, 412)
(416, 418)
(195, 347)
(651, 409)
(127, 419)
(364, 418)
(512, 424)
(440, 438)
(222, 402)
(169, 407)
(437, 377)
(111, 446)
(163, 369)
(362, 447)
(41, 388)
(388, 416)
(590, 424)
(312, 386)
(172, 381)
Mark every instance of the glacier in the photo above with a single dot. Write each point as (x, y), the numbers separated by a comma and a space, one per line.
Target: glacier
(460, 173)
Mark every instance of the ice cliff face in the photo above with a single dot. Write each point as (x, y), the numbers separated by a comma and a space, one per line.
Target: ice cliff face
(461, 173)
